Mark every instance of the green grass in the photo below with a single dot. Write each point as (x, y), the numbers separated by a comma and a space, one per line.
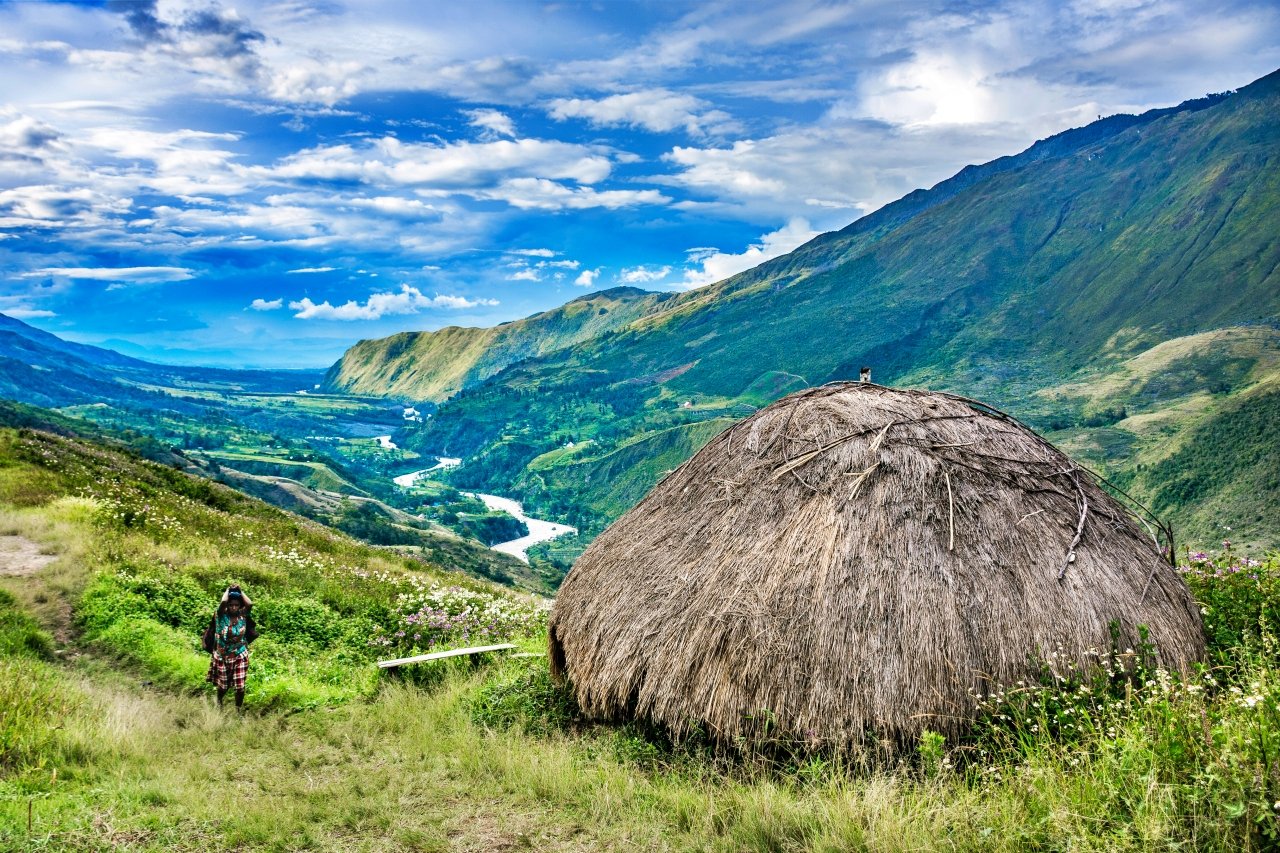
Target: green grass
(120, 744)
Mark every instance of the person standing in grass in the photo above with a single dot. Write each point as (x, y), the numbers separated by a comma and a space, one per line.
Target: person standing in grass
(228, 637)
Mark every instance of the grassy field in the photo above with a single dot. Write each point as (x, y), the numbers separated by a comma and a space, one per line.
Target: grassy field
(109, 739)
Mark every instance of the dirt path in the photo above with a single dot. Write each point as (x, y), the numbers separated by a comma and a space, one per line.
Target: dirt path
(20, 557)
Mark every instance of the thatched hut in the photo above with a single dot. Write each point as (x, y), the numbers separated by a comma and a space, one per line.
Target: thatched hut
(854, 560)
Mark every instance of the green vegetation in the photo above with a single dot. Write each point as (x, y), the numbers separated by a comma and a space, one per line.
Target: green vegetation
(163, 545)
(434, 365)
(1113, 755)
(1116, 756)
(1095, 254)
(1226, 470)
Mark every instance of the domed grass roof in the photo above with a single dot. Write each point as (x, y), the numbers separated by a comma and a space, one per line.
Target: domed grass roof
(853, 560)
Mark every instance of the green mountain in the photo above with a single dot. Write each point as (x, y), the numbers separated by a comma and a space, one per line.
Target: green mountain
(1119, 244)
(435, 365)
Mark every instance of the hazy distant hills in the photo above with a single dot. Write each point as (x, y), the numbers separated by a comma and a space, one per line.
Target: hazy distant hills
(41, 369)
(1011, 281)
(435, 365)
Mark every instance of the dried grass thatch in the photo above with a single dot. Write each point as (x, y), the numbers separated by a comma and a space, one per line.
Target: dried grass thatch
(853, 560)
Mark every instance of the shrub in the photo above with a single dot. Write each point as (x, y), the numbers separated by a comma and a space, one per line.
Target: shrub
(173, 599)
(1239, 597)
(524, 696)
(299, 620)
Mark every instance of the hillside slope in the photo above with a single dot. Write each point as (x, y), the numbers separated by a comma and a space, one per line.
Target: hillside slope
(435, 365)
(1049, 267)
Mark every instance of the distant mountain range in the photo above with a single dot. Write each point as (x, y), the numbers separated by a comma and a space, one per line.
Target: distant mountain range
(42, 369)
(1116, 285)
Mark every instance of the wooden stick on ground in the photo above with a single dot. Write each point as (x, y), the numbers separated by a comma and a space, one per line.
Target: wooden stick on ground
(474, 650)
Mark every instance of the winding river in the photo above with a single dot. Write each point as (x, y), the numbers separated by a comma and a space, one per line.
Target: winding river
(539, 530)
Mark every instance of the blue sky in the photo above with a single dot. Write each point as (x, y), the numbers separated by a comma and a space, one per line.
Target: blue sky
(264, 183)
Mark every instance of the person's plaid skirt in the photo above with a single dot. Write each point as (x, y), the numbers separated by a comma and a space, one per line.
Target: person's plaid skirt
(228, 672)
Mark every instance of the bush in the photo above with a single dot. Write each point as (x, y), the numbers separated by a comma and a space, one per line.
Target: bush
(524, 696)
(173, 599)
(299, 620)
(1239, 597)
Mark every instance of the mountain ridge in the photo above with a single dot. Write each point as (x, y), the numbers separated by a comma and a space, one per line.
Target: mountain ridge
(433, 366)
(1046, 269)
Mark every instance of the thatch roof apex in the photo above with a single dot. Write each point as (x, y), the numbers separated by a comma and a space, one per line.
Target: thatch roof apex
(856, 559)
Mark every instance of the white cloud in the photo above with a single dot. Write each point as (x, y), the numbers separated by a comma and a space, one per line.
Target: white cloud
(409, 300)
(587, 278)
(492, 123)
(659, 110)
(541, 194)
(526, 274)
(716, 265)
(25, 133)
(265, 305)
(21, 313)
(308, 270)
(794, 172)
(457, 165)
(643, 274)
(134, 275)
(309, 81)
(53, 206)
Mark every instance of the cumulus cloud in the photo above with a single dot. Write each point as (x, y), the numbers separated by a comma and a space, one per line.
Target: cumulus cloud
(658, 110)
(312, 82)
(211, 39)
(492, 123)
(308, 270)
(779, 176)
(266, 305)
(543, 194)
(24, 133)
(55, 206)
(526, 270)
(587, 278)
(408, 300)
(130, 275)
(451, 166)
(643, 274)
(715, 265)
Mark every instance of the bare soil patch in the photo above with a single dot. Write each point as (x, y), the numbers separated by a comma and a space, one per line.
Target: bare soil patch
(20, 557)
